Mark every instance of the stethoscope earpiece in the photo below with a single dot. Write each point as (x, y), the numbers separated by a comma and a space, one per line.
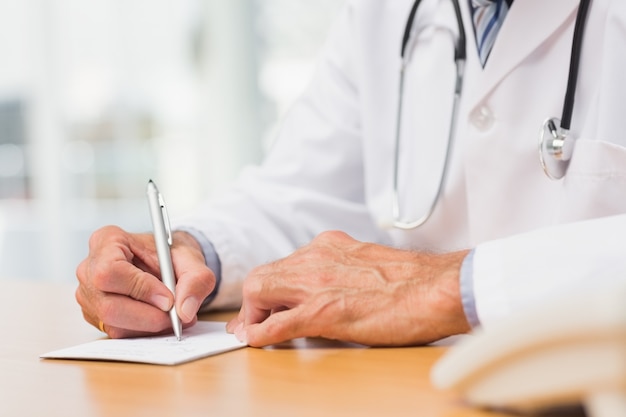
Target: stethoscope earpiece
(555, 148)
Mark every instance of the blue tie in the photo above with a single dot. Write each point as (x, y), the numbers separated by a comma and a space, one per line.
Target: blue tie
(487, 16)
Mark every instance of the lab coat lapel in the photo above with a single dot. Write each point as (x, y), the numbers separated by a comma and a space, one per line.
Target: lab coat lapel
(517, 40)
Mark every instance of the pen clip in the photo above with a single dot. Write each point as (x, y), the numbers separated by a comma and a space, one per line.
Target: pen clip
(166, 219)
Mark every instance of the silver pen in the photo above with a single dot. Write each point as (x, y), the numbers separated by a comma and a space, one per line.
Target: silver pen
(163, 241)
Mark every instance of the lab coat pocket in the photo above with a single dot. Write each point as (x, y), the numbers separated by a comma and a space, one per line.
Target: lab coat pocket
(595, 183)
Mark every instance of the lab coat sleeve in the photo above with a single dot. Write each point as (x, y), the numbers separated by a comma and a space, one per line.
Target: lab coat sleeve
(514, 273)
(311, 181)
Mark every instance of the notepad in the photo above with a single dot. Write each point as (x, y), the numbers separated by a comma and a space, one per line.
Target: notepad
(204, 339)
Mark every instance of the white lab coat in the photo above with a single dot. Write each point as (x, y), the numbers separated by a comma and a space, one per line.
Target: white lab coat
(332, 164)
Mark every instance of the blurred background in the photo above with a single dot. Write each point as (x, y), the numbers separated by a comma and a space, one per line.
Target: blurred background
(98, 96)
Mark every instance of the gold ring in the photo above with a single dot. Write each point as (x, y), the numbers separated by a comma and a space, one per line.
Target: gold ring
(101, 326)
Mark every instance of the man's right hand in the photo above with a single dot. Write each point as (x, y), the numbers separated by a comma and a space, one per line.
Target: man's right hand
(120, 290)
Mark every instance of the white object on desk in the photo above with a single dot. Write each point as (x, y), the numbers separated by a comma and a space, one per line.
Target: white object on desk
(203, 339)
(569, 351)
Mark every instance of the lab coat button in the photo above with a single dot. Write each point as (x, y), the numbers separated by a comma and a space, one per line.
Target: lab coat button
(482, 118)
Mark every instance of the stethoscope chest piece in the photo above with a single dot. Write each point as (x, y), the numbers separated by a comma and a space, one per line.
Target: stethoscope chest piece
(555, 148)
(556, 145)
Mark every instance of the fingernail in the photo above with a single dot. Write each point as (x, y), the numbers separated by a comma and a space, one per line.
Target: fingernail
(229, 326)
(241, 334)
(189, 308)
(161, 302)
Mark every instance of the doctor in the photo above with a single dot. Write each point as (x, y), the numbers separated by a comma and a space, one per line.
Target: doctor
(306, 245)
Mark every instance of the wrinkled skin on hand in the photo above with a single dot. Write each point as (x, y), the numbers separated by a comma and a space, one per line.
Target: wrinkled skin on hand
(120, 286)
(340, 288)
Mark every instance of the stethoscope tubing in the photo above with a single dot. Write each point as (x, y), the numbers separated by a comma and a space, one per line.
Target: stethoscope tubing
(574, 65)
(460, 52)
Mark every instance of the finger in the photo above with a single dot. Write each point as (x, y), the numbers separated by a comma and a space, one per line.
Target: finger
(195, 281)
(236, 325)
(232, 324)
(120, 333)
(236, 321)
(130, 317)
(121, 317)
(269, 289)
(98, 306)
(123, 278)
(110, 244)
(257, 315)
(121, 263)
(279, 327)
(190, 293)
(253, 314)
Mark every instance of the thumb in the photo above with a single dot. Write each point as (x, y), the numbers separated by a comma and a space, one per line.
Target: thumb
(193, 286)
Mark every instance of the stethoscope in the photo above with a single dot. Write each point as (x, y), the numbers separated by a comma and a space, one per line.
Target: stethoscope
(555, 145)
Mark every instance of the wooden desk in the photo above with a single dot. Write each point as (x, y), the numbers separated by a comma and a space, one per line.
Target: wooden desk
(303, 378)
